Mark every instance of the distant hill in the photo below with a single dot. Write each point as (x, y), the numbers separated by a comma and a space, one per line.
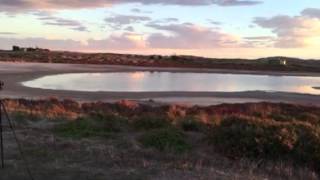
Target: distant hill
(262, 64)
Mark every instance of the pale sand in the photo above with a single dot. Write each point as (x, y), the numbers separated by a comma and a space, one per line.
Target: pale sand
(15, 73)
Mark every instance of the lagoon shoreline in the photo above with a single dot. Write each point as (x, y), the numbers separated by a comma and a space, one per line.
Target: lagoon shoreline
(13, 74)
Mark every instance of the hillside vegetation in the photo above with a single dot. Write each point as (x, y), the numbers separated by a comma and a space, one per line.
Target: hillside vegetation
(264, 64)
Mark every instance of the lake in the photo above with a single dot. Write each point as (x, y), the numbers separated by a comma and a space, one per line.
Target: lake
(167, 81)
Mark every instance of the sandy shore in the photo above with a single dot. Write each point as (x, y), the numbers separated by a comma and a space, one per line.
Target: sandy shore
(15, 73)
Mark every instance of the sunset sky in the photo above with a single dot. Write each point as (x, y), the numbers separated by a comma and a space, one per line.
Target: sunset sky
(212, 28)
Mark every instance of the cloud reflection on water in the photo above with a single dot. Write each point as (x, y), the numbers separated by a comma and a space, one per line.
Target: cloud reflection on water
(165, 81)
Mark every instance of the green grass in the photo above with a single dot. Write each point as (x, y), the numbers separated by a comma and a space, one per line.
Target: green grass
(96, 125)
(150, 122)
(166, 139)
(23, 117)
(191, 124)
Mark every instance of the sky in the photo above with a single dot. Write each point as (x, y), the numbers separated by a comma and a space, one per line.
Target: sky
(210, 28)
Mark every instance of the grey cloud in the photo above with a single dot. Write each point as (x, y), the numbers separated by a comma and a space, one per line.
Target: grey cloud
(118, 21)
(137, 10)
(292, 31)
(49, 19)
(276, 22)
(188, 36)
(236, 3)
(258, 41)
(284, 27)
(311, 12)
(129, 28)
(214, 22)
(254, 38)
(171, 19)
(8, 33)
(164, 21)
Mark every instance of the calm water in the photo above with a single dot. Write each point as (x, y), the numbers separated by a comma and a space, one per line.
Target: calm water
(165, 81)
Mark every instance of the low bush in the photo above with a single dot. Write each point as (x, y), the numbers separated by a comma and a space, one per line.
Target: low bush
(166, 139)
(191, 124)
(149, 123)
(23, 117)
(269, 139)
(308, 117)
(280, 117)
(90, 126)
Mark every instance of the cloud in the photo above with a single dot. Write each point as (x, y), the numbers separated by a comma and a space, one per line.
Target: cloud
(129, 28)
(136, 10)
(23, 5)
(114, 42)
(139, 11)
(8, 33)
(189, 36)
(258, 41)
(171, 19)
(164, 21)
(311, 12)
(213, 22)
(168, 36)
(293, 31)
(40, 42)
(236, 3)
(118, 21)
(49, 19)
(117, 42)
(254, 38)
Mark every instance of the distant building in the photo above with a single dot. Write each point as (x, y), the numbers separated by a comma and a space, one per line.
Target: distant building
(28, 49)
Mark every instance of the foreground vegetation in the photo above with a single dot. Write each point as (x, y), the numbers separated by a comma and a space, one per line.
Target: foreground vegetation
(253, 141)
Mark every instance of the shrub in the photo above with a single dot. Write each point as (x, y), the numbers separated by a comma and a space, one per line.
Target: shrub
(166, 139)
(91, 126)
(251, 137)
(149, 122)
(269, 139)
(24, 117)
(190, 124)
(110, 122)
(280, 117)
(308, 117)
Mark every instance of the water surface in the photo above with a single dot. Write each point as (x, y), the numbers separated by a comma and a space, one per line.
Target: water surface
(166, 81)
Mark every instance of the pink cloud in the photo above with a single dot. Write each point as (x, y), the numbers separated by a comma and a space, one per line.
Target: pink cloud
(293, 31)
(189, 36)
(18, 5)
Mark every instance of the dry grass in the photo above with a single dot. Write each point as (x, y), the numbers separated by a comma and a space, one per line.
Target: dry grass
(124, 156)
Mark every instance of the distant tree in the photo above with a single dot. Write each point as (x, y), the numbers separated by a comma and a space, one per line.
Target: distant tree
(174, 57)
(15, 48)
